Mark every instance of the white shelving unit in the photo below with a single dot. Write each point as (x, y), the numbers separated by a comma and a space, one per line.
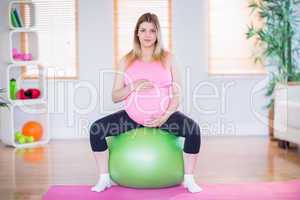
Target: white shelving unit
(21, 111)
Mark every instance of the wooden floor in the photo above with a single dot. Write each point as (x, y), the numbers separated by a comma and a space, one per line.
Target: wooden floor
(27, 174)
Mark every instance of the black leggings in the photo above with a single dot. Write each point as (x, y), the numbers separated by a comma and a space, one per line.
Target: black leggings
(119, 122)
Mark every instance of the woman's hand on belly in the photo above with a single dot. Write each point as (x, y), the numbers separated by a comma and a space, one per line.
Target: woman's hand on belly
(157, 122)
(142, 84)
(148, 105)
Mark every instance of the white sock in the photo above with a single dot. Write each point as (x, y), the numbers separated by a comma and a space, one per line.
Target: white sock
(190, 184)
(103, 183)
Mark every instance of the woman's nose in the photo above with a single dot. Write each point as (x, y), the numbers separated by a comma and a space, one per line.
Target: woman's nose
(148, 33)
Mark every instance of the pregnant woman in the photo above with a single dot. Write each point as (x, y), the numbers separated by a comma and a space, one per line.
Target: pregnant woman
(147, 80)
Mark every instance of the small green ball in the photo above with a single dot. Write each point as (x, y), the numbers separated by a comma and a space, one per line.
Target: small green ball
(22, 140)
(29, 139)
(18, 134)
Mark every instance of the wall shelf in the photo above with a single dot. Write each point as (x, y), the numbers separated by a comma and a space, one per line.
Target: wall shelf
(20, 52)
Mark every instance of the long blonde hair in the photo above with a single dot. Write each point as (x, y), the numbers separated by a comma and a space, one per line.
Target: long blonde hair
(159, 54)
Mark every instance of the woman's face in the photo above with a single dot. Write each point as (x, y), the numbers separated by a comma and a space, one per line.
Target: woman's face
(147, 34)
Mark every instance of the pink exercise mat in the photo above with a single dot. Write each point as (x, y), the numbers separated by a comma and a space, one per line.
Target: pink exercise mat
(280, 190)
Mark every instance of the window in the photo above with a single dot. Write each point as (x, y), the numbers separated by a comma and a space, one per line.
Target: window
(229, 50)
(56, 23)
(126, 14)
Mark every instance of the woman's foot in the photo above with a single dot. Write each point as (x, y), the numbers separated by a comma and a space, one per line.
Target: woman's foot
(190, 184)
(103, 183)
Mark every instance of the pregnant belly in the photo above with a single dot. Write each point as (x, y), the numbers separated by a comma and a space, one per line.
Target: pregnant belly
(144, 106)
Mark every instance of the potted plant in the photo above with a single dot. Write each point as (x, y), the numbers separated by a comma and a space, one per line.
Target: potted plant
(278, 39)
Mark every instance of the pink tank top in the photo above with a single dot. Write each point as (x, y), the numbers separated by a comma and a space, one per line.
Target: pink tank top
(147, 105)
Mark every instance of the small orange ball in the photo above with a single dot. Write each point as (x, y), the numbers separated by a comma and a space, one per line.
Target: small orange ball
(34, 129)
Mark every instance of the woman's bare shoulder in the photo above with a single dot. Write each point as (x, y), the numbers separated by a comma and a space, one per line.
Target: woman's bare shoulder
(167, 59)
(168, 55)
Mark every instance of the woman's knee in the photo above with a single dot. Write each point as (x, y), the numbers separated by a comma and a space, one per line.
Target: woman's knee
(191, 128)
(193, 137)
(96, 130)
(192, 144)
(97, 136)
(197, 132)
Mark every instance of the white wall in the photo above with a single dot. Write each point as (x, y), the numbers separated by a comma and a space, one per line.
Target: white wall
(68, 100)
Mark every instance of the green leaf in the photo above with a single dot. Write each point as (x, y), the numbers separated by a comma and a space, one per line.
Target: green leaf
(257, 59)
(271, 87)
(3, 105)
(251, 32)
(3, 102)
(295, 77)
(263, 14)
(270, 104)
(253, 6)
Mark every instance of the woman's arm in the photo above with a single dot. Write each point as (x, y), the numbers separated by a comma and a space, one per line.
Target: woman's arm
(176, 86)
(119, 91)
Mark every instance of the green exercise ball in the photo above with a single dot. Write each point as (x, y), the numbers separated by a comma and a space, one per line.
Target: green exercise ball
(146, 158)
